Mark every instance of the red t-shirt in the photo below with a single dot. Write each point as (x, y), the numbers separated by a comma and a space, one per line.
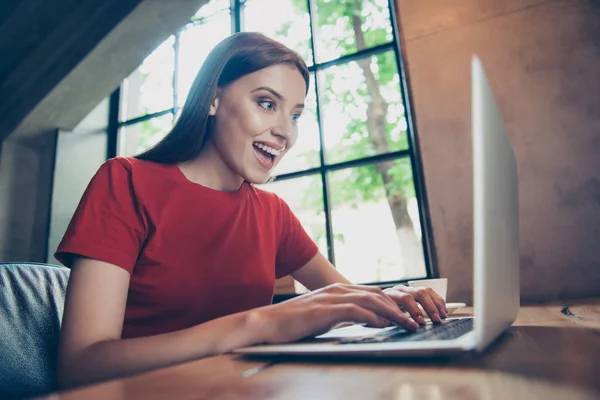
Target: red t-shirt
(194, 253)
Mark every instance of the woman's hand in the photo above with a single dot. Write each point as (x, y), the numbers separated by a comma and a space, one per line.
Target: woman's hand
(319, 272)
(407, 298)
(317, 312)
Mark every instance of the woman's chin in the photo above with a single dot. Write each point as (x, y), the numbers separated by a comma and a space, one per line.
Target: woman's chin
(257, 178)
(259, 175)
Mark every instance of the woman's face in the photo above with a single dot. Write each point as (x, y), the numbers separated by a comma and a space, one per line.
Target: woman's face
(256, 120)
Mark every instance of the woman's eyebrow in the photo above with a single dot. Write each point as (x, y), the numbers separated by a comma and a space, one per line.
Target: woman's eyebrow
(275, 94)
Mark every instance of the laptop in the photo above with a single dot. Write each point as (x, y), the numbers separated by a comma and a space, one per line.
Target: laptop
(495, 260)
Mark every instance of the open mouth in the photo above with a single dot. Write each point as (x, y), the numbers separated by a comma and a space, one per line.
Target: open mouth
(266, 155)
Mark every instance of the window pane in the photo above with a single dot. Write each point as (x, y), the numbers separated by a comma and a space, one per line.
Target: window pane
(377, 234)
(305, 153)
(134, 139)
(149, 88)
(196, 41)
(305, 197)
(211, 8)
(346, 27)
(284, 21)
(361, 108)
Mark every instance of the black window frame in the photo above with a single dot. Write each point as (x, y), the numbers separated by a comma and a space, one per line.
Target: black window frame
(236, 9)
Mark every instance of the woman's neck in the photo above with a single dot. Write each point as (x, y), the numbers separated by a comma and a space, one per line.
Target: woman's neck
(209, 170)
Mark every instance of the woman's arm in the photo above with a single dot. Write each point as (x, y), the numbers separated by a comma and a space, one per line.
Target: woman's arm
(317, 273)
(91, 348)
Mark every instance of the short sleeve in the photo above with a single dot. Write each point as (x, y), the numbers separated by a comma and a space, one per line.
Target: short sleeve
(107, 225)
(296, 248)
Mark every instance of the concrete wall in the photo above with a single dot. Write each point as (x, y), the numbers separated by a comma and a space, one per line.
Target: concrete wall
(41, 183)
(78, 155)
(16, 186)
(40, 186)
(25, 190)
(543, 62)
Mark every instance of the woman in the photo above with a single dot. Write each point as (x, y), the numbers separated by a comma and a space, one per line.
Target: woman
(174, 253)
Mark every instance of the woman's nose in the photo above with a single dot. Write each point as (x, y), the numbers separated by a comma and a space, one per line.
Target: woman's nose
(284, 128)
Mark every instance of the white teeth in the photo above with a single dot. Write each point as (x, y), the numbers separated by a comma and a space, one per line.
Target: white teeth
(268, 149)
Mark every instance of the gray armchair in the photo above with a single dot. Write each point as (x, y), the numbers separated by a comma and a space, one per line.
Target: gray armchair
(32, 298)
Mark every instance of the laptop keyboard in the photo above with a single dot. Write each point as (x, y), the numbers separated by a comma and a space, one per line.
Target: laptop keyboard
(448, 329)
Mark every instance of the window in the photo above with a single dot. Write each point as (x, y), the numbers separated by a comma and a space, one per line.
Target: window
(354, 177)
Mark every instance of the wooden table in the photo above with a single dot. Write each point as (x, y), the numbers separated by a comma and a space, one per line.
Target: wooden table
(551, 352)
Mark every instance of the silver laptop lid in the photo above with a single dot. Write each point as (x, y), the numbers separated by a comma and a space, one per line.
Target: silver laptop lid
(496, 295)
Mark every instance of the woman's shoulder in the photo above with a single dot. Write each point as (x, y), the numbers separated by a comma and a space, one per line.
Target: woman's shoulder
(134, 166)
(130, 163)
(139, 176)
(262, 193)
(271, 199)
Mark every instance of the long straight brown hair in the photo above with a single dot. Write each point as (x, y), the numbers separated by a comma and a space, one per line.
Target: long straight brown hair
(237, 55)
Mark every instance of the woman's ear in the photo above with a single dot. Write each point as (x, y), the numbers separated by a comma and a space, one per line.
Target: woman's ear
(212, 111)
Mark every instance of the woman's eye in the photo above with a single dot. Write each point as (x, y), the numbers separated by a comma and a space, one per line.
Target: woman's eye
(295, 117)
(266, 104)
